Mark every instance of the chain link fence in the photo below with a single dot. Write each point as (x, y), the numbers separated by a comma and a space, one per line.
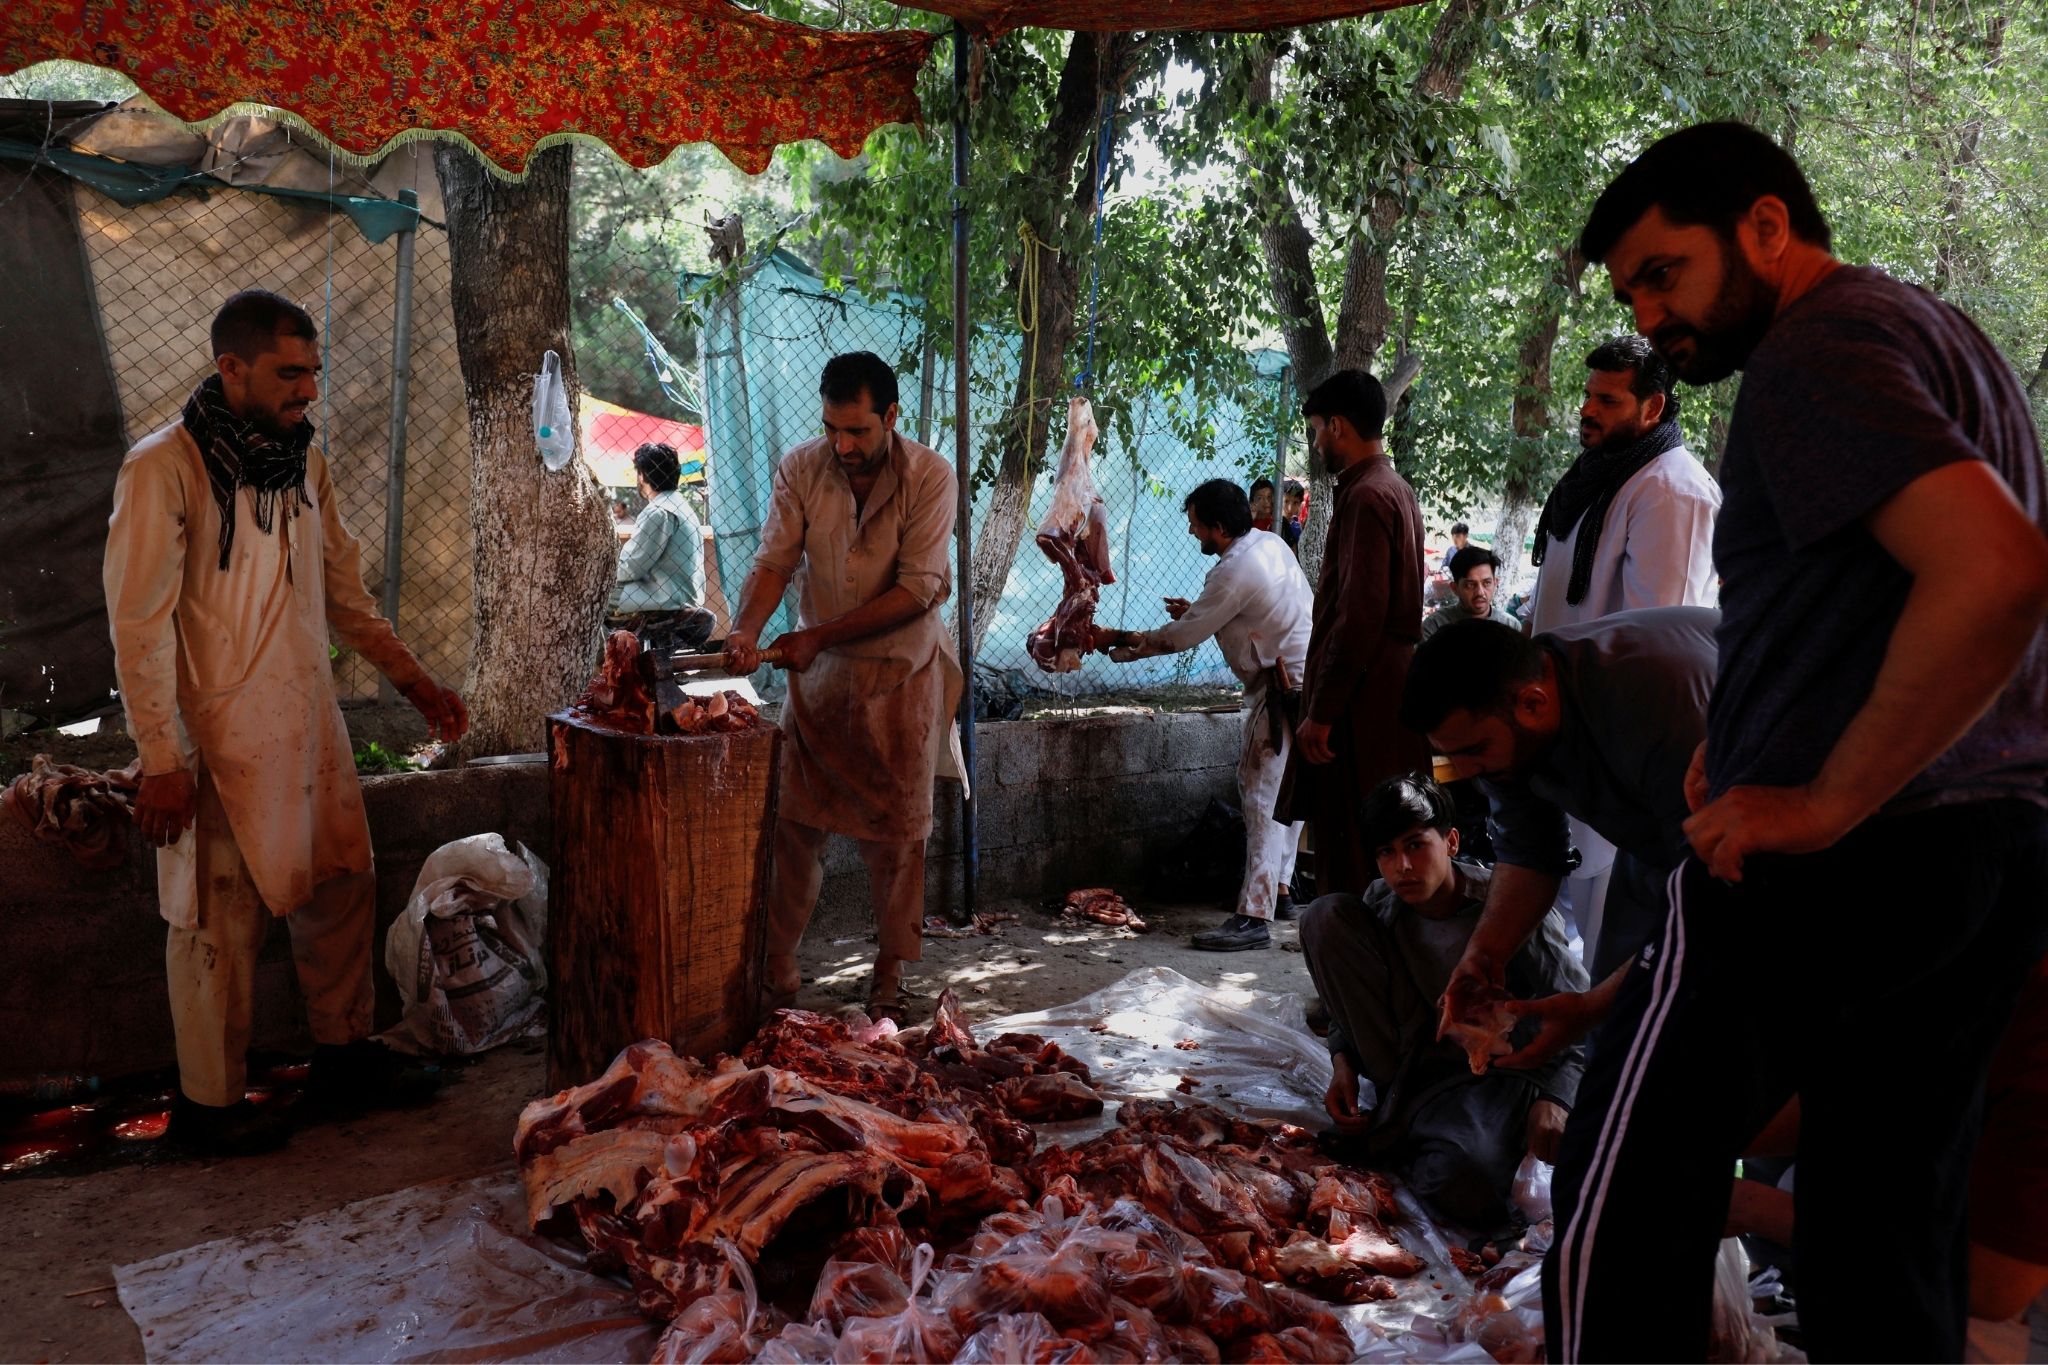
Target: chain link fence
(724, 367)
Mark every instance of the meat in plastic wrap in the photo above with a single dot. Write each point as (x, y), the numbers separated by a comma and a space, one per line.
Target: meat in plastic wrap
(1022, 1339)
(921, 1331)
(800, 1343)
(728, 1326)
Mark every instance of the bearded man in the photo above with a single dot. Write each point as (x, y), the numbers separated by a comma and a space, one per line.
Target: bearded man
(227, 565)
(1869, 880)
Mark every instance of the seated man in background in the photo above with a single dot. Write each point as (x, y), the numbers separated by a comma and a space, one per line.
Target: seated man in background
(1474, 578)
(661, 570)
(1381, 962)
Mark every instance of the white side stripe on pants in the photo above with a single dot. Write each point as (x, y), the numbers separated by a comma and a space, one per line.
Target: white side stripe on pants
(1576, 1248)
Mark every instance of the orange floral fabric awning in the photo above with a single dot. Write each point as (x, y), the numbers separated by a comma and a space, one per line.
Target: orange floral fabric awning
(643, 76)
(1104, 16)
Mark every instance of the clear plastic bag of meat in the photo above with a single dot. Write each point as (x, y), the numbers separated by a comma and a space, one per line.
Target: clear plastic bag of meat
(922, 1331)
(800, 1343)
(1022, 1339)
(728, 1326)
(857, 1289)
(1055, 1269)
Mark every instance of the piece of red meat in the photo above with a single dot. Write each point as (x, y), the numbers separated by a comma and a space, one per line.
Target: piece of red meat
(1075, 536)
(621, 696)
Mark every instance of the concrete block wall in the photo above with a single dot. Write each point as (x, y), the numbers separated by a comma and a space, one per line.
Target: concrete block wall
(1063, 804)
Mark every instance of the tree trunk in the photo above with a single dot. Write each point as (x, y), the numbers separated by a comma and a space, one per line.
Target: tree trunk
(2038, 385)
(1363, 314)
(1532, 411)
(1094, 71)
(545, 552)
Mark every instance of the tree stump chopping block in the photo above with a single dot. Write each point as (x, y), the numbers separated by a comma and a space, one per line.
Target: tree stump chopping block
(656, 887)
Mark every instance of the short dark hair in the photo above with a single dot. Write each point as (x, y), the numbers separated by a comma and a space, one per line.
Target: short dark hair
(1459, 528)
(249, 323)
(849, 376)
(1353, 395)
(1470, 558)
(1266, 484)
(659, 464)
(1467, 666)
(1399, 804)
(1633, 355)
(1296, 489)
(1222, 504)
(1708, 174)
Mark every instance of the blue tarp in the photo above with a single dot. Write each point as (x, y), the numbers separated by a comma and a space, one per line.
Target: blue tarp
(760, 398)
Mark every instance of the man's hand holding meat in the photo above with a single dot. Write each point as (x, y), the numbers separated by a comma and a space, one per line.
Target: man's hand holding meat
(1255, 604)
(165, 804)
(1546, 1129)
(447, 716)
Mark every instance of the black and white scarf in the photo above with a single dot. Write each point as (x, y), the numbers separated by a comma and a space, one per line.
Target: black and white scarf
(240, 454)
(1583, 495)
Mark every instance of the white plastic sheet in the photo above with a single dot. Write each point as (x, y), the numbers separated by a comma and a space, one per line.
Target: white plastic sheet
(438, 1272)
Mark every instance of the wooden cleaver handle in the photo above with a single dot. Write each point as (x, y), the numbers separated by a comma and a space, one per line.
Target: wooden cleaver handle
(697, 663)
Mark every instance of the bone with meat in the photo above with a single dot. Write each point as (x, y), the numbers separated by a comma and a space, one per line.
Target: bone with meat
(1075, 536)
(621, 696)
(1482, 1029)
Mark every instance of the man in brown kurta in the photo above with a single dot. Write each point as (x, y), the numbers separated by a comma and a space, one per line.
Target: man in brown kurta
(862, 520)
(1368, 617)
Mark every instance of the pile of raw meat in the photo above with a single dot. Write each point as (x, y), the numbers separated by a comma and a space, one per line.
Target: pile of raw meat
(845, 1193)
(623, 697)
(83, 810)
(1075, 536)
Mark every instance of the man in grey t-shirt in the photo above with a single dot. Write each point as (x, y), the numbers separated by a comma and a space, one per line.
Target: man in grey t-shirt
(1870, 819)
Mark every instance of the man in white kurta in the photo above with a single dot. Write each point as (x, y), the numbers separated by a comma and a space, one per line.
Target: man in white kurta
(220, 594)
(861, 520)
(1635, 532)
(1258, 606)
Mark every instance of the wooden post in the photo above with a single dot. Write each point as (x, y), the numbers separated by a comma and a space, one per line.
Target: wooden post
(656, 886)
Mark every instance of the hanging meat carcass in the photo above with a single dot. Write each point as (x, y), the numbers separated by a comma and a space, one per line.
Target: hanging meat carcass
(1075, 536)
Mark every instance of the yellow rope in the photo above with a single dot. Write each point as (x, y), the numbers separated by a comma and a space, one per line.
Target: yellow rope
(1027, 315)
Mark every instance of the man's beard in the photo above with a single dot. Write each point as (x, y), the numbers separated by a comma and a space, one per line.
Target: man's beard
(1722, 343)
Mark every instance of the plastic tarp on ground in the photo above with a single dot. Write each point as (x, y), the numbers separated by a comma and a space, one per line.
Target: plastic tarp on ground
(448, 1271)
(764, 345)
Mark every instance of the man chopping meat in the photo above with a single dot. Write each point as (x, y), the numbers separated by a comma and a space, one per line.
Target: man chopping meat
(1366, 621)
(1255, 602)
(862, 519)
(227, 564)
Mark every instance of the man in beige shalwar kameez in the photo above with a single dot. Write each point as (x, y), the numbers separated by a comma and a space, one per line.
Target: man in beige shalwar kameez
(226, 566)
(862, 520)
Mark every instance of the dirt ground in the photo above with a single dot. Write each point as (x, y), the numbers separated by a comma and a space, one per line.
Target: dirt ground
(68, 1230)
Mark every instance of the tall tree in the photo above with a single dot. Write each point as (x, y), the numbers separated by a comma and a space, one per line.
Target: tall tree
(1307, 107)
(545, 551)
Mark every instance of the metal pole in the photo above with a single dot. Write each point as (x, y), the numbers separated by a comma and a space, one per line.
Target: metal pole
(394, 474)
(970, 850)
(925, 381)
(1280, 427)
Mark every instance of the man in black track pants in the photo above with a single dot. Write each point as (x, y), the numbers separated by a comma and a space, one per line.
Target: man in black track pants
(1870, 885)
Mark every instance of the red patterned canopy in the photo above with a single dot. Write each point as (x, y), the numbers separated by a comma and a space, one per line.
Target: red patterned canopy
(1000, 16)
(643, 76)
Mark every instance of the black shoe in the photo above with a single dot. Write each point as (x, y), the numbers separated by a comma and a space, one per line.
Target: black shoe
(353, 1078)
(1284, 908)
(238, 1129)
(1234, 935)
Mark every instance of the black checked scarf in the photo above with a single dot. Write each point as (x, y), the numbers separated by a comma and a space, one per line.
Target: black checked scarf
(240, 454)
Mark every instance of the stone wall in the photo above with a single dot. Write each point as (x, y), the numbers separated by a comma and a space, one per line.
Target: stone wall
(1063, 804)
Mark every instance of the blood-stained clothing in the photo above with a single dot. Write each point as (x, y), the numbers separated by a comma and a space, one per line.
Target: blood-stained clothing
(868, 722)
(227, 669)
